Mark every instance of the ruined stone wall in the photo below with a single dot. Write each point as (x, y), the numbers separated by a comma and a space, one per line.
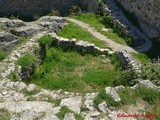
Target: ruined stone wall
(40, 7)
(148, 14)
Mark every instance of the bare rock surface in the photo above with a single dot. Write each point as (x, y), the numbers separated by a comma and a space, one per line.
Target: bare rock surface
(111, 91)
(69, 116)
(72, 103)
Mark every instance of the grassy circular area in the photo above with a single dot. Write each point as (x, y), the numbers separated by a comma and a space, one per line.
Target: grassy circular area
(71, 71)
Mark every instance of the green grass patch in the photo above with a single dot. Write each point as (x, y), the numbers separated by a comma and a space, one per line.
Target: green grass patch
(142, 57)
(71, 71)
(26, 61)
(2, 55)
(103, 97)
(45, 40)
(91, 19)
(74, 31)
(148, 94)
(4, 115)
(127, 96)
(99, 22)
(65, 110)
(33, 92)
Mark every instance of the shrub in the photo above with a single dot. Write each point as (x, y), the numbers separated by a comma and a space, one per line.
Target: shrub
(102, 96)
(2, 56)
(148, 94)
(108, 21)
(151, 71)
(127, 96)
(12, 17)
(65, 110)
(102, 3)
(27, 61)
(44, 42)
(126, 77)
(53, 13)
(13, 76)
(75, 10)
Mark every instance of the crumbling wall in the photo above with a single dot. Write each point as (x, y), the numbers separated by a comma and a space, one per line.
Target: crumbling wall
(148, 14)
(41, 7)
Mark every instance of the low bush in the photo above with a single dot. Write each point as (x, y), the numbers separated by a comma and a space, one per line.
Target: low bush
(27, 61)
(103, 97)
(54, 13)
(74, 31)
(45, 40)
(75, 10)
(126, 78)
(151, 71)
(127, 96)
(65, 110)
(44, 43)
(148, 94)
(2, 56)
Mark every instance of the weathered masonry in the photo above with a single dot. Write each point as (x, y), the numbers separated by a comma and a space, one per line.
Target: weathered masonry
(148, 14)
(41, 7)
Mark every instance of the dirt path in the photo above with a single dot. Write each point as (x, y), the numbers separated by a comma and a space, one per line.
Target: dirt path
(114, 45)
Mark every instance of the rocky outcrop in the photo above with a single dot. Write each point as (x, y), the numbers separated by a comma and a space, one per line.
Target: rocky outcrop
(8, 41)
(73, 104)
(30, 110)
(111, 91)
(14, 31)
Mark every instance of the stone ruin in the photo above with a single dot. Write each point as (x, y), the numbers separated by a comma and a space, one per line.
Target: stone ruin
(147, 13)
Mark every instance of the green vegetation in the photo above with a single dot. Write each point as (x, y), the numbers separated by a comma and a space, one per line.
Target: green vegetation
(27, 61)
(126, 78)
(33, 92)
(4, 115)
(147, 94)
(127, 96)
(142, 57)
(103, 97)
(102, 21)
(69, 70)
(2, 55)
(102, 3)
(74, 31)
(45, 40)
(54, 13)
(13, 75)
(75, 10)
(72, 71)
(65, 110)
(13, 17)
(151, 71)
